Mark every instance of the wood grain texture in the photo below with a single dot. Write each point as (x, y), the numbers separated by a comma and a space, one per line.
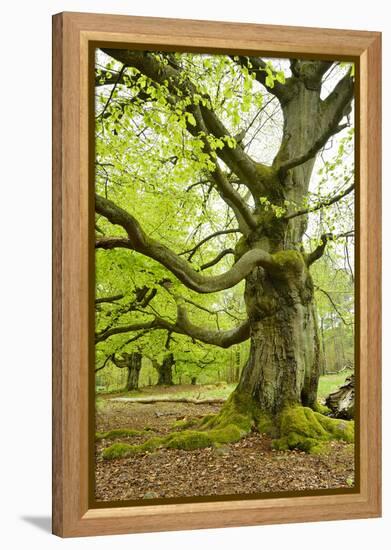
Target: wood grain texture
(72, 33)
(57, 462)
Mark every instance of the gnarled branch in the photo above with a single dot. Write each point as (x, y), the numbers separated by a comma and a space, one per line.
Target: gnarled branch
(221, 338)
(318, 252)
(193, 250)
(137, 240)
(229, 195)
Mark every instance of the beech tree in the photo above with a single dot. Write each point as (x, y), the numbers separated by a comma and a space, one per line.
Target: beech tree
(131, 362)
(164, 370)
(185, 131)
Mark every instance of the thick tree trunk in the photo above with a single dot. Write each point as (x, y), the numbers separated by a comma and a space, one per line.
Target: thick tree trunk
(283, 367)
(134, 367)
(284, 363)
(164, 370)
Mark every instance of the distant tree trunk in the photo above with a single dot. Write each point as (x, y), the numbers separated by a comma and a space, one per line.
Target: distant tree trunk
(132, 362)
(134, 368)
(164, 370)
(342, 348)
(237, 365)
(323, 367)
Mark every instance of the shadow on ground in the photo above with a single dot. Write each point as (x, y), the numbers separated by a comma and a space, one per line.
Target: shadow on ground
(44, 523)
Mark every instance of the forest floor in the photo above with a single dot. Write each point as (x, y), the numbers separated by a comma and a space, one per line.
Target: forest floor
(249, 466)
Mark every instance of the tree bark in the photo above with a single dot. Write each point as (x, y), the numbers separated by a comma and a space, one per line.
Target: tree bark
(134, 371)
(284, 363)
(132, 362)
(283, 366)
(164, 370)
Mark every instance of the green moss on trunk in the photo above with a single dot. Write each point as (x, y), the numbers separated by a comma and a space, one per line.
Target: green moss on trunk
(307, 430)
(239, 411)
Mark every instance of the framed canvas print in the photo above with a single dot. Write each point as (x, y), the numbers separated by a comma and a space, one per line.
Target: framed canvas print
(216, 268)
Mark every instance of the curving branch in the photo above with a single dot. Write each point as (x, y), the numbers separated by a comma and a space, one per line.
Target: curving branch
(143, 297)
(237, 160)
(137, 240)
(193, 250)
(318, 252)
(216, 260)
(338, 103)
(221, 338)
(122, 329)
(330, 130)
(334, 305)
(334, 108)
(109, 299)
(108, 358)
(321, 204)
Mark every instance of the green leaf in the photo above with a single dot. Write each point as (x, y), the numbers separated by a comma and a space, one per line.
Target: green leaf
(269, 81)
(191, 119)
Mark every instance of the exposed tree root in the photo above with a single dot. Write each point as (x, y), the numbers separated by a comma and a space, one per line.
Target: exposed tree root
(296, 427)
(307, 430)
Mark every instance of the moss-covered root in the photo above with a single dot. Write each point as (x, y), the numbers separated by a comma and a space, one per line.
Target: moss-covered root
(239, 411)
(187, 440)
(119, 433)
(234, 421)
(304, 429)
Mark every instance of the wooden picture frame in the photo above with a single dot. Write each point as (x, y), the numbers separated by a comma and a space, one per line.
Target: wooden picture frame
(73, 33)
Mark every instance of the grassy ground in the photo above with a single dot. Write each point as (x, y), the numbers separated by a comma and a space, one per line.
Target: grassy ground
(331, 382)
